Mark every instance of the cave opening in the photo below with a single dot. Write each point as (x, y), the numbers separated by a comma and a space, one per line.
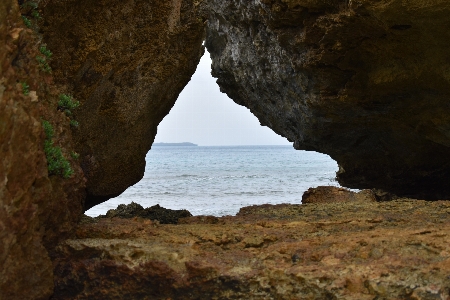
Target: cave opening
(237, 161)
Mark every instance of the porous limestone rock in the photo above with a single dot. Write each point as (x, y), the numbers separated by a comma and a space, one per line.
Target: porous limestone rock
(325, 194)
(36, 210)
(342, 250)
(367, 82)
(126, 62)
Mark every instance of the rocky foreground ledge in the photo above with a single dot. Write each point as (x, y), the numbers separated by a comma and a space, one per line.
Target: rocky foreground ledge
(354, 249)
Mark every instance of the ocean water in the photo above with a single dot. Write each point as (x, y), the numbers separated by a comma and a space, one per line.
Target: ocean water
(219, 180)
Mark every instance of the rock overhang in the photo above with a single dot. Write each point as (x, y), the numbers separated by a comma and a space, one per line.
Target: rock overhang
(359, 81)
(366, 83)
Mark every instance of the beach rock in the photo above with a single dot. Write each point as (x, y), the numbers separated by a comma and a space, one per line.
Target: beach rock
(154, 213)
(126, 62)
(335, 250)
(381, 195)
(366, 82)
(325, 194)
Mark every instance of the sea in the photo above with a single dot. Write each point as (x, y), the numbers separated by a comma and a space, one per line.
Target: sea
(219, 180)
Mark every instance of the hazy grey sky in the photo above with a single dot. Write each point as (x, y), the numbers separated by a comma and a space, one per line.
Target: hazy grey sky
(205, 116)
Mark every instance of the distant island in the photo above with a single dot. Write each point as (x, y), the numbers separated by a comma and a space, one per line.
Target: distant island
(175, 144)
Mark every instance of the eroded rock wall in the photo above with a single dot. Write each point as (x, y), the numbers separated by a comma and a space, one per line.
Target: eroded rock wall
(366, 82)
(36, 210)
(127, 62)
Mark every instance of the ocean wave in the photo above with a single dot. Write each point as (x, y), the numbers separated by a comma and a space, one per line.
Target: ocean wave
(220, 180)
(188, 175)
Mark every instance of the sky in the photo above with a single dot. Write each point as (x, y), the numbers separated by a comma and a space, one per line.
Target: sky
(205, 116)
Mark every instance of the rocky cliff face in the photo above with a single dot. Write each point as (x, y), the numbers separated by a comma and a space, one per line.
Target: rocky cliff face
(145, 65)
(126, 62)
(36, 210)
(366, 82)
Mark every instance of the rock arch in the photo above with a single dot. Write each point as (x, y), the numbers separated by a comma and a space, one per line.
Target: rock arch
(356, 81)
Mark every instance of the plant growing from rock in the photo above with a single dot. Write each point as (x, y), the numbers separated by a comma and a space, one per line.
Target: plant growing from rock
(75, 155)
(57, 164)
(25, 88)
(26, 21)
(30, 10)
(74, 123)
(43, 64)
(66, 104)
(43, 49)
(35, 14)
(30, 5)
(43, 60)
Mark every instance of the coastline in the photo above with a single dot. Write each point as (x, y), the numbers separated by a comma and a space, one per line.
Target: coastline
(184, 144)
(338, 246)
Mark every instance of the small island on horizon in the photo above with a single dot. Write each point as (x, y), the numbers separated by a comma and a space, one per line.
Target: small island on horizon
(175, 144)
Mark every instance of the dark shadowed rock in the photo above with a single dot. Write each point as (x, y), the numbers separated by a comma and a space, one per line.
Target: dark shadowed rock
(366, 82)
(154, 213)
(381, 195)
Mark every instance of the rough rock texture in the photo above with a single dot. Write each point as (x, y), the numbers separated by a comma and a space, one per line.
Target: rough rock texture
(344, 250)
(364, 81)
(154, 213)
(126, 62)
(36, 210)
(325, 194)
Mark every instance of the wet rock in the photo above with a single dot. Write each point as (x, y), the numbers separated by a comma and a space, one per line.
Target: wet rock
(154, 213)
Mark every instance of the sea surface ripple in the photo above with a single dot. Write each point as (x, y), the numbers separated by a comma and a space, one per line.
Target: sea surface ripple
(219, 180)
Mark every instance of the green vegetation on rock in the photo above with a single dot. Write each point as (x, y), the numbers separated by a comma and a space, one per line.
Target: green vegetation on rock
(56, 162)
(75, 155)
(66, 104)
(74, 123)
(43, 64)
(29, 9)
(25, 88)
(43, 49)
(26, 21)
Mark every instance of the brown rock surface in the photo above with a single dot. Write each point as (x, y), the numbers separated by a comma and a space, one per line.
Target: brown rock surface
(127, 62)
(343, 250)
(364, 81)
(325, 194)
(35, 210)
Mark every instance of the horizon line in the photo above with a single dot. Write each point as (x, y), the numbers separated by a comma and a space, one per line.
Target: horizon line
(217, 145)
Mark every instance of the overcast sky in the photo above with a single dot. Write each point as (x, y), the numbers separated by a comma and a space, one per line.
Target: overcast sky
(205, 116)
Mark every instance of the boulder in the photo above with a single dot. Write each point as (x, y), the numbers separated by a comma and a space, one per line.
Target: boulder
(326, 194)
(154, 213)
